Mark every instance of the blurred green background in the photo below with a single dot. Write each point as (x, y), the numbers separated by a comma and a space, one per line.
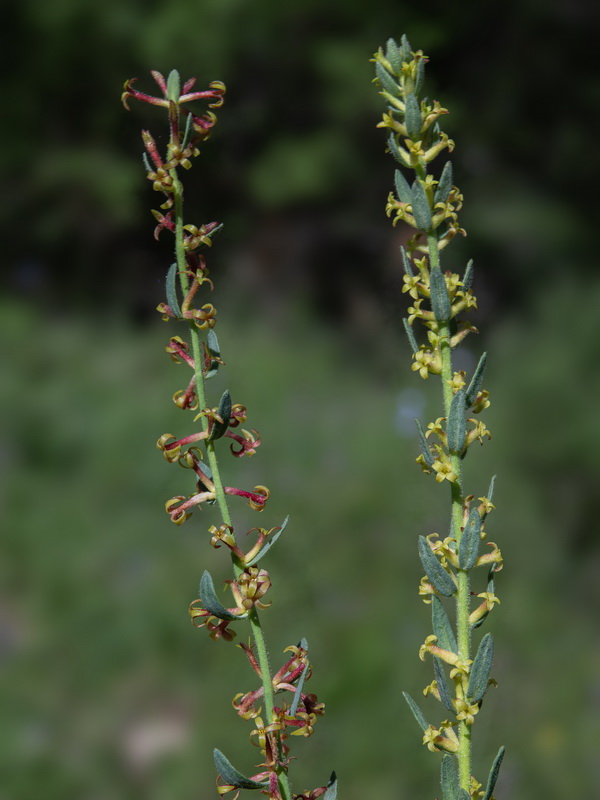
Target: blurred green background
(108, 692)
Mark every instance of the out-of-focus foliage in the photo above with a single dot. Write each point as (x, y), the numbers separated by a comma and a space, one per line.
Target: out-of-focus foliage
(108, 693)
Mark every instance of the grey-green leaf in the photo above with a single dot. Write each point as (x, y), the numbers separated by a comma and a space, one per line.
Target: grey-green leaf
(490, 491)
(438, 576)
(224, 411)
(444, 184)
(331, 792)
(211, 602)
(420, 207)
(268, 544)
(449, 778)
(467, 280)
(388, 84)
(393, 55)
(420, 76)
(425, 451)
(468, 549)
(456, 427)
(406, 48)
(442, 627)
(440, 677)
(231, 776)
(298, 692)
(394, 150)
(406, 259)
(402, 188)
(493, 776)
(417, 713)
(412, 117)
(440, 301)
(410, 335)
(480, 669)
(171, 290)
(476, 381)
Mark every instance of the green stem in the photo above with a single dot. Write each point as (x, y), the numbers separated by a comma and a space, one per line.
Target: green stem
(254, 618)
(463, 593)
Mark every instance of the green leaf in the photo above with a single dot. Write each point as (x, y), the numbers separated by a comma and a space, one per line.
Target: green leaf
(456, 427)
(438, 576)
(440, 677)
(490, 491)
(411, 337)
(420, 76)
(493, 776)
(224, 411)
(417, 713)
(394, 150)
(214, 350)
(440, 301)
(449, 778)
(474, 386)
(406, 49)
(425, 451)
(171, 290)
(231, 776)
(468, 549)
(442, 627)
(187, 131)
(268, 544)
(393, 55)
(402, 188)
(444, 184)
(467, 280)
(210, 601)
(388, 84)
(420, 207)
(298, 692)
(173, 86)
(406, 260)
(331, 792)
(146, 161)
(480, 669)
(412, 117)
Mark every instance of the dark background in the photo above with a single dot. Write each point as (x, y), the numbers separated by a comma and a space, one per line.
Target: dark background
(107, 690)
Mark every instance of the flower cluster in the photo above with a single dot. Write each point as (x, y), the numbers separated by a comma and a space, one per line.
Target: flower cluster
(187, 280)
(439, 299)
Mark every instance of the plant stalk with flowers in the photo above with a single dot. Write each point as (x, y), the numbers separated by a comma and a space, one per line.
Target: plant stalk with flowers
(273, 720)
(430, 205)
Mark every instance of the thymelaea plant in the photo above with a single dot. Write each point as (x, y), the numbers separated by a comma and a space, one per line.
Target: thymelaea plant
(440, 298)
(273, 719)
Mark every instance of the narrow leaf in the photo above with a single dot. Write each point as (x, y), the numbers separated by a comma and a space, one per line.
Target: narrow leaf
(425, 451)
(331, 793)
(412, 117)
(420, 207)
(456, 427)
(468, 549)
(420, 76)
(395, 151)
(187, 131)
(210, 601)
(440, 302)
(173, 86)
(440, 677)
(224, 411)
(268, 544)
(417, 713)
(444, 184)
(493, 776)
(463, 795)
(490, 491)
(474, 386)
(480, 669)
(388, 84)
(402, 188)
(442, 627)
(438, 576)
(171, 290)
(298, 692)
(146, 161)
(231, 776)
(406, 48)
(406, 261)
(393, 55)
(449, 778)
(213, 343)
(467, 280)
(410, 335)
